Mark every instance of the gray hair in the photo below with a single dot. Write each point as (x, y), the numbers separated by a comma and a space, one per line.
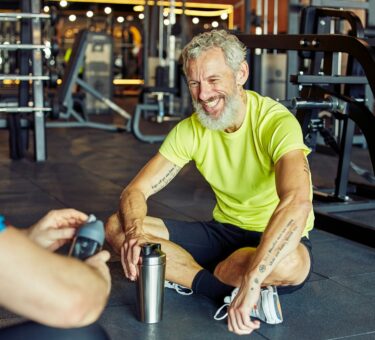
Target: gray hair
(234, 50)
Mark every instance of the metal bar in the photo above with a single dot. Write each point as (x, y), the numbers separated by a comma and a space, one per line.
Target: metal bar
(345, 207)
(358, 48)
(40, 153)
(25, 15)
(248, 16)
(343, 167)
(341, 4)
(22, 46)
(298, 103)
(310, 79)
(22, 77)
(292, 56)
(24, 109)
(99, 96)
(149, 138)
(4, 123)
(87, 124)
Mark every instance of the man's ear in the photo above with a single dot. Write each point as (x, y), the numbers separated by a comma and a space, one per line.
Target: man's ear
(242, 73)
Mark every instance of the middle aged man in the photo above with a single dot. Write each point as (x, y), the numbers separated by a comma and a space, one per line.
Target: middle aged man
(250, 150)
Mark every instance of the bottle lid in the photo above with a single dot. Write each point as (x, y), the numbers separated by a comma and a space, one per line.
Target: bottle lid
(93, 230)
(151, 254)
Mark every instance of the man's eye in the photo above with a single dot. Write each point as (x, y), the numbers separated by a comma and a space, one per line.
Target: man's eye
(193, 84)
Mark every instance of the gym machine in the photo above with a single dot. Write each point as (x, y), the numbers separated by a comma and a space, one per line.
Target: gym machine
(163, 81)
(66, 101)
(30, 97)
(327, 90)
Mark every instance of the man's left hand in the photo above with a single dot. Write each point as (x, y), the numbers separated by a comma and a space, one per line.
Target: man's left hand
(239, 321)
(56, 228)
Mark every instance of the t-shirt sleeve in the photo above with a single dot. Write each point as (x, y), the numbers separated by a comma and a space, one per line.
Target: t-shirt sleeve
(178, 145)
(282, 133)
(2, 223)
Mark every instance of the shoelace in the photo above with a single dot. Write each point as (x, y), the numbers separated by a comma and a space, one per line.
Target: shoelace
(178, 288)
(227, 301)
(217, 317)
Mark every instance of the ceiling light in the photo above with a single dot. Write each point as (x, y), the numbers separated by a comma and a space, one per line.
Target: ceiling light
(138, 8)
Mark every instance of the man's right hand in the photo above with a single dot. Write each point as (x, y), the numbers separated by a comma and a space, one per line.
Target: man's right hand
(130, 252)
(126, 243)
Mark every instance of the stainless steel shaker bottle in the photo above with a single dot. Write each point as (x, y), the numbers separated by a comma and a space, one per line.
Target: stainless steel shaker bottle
(150, 284)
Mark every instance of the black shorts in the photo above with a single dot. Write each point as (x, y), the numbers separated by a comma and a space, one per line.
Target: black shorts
(212, 242)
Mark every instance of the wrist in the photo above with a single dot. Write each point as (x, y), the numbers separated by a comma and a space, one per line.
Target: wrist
(254, 278)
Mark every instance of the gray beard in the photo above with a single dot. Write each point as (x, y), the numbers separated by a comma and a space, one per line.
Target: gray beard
(227, 118)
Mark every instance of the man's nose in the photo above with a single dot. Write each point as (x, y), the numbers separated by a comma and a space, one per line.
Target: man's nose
(204, 91)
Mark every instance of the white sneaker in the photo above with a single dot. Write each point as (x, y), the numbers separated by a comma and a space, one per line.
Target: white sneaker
(268, 307)
(178, 288)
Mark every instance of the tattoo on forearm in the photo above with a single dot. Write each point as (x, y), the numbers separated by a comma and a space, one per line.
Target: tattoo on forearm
(278, 245)
(172, 172)
(256, 282)
(306, 167)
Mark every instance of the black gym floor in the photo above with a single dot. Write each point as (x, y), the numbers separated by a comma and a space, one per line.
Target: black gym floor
(87, 169)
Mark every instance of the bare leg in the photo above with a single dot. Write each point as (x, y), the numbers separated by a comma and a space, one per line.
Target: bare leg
(181, 267)
(292, 270)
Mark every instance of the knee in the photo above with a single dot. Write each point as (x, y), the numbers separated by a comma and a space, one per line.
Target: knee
(294, 267)
(114, 233)
(232, 268)
(220, 270)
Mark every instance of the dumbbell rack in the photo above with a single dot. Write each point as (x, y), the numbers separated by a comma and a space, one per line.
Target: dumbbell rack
(30, 47)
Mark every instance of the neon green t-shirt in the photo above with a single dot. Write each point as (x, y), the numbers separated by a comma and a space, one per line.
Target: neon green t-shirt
(239, 166)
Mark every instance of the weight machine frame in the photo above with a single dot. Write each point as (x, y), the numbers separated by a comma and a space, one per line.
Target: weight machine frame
(364, 54)
(66, 100)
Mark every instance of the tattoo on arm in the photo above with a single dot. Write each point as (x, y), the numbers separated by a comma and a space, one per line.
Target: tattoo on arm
(171, 173)
(306, 167)
(279, 244)
(262, 268)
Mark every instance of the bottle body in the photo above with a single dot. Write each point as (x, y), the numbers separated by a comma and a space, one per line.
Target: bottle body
(150, 285)
(89, 239)
(83, 247)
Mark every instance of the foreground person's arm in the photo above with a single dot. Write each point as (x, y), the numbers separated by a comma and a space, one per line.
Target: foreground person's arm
(48, 288)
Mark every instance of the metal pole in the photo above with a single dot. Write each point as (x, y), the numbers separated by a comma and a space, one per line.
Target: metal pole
(38, 91)
(248, 16)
